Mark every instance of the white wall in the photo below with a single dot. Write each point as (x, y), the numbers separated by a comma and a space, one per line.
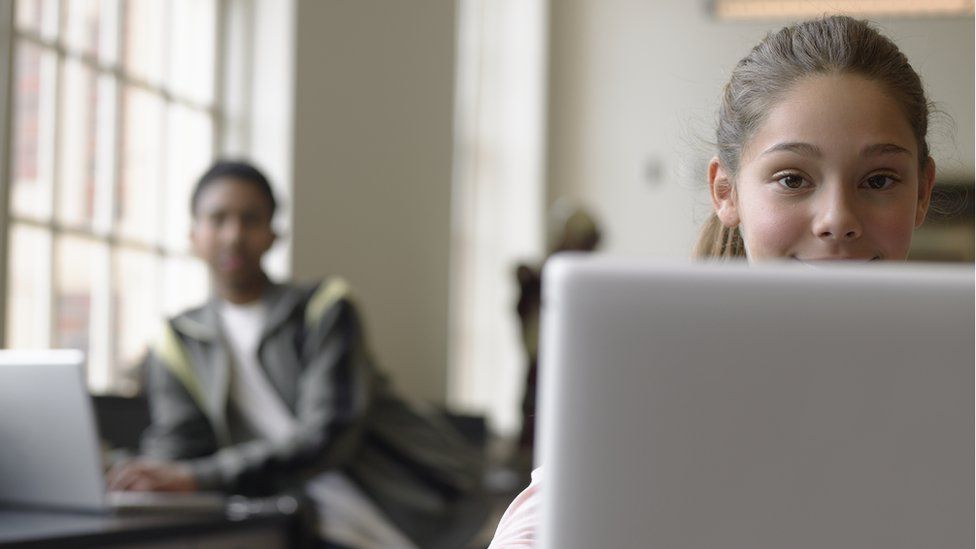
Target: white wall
(634, 88)
(374, 85)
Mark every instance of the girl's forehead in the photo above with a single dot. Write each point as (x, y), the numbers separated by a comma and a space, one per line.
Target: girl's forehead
(835, 114)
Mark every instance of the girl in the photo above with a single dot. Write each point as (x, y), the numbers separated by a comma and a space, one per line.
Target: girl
(822, 156)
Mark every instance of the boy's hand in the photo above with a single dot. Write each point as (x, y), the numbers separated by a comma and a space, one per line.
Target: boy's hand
(143, 474)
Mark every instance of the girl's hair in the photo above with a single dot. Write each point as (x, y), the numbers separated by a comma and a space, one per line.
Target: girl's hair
(831, 45)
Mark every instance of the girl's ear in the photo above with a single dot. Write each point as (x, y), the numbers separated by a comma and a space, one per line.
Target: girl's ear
(723, 194)
(925, 183)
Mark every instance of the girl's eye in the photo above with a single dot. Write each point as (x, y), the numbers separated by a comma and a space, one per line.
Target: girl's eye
(879, 182)
(791, 181)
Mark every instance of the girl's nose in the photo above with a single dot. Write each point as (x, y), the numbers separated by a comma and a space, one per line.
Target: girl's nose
(838, 218)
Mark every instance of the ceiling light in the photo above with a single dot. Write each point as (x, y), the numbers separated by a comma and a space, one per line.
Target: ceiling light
(790, 9)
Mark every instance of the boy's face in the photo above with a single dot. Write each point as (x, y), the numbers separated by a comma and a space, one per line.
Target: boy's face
(232, 230)
(832, 173)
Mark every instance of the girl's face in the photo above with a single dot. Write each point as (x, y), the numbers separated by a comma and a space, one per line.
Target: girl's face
(833, 173)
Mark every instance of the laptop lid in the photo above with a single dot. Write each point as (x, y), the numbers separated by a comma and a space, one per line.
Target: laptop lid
(701, 406)
(50, 456)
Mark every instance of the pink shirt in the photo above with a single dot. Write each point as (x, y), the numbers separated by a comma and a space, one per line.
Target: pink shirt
(517, 529)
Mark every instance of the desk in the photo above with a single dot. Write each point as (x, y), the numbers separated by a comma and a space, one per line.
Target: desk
(19, 528)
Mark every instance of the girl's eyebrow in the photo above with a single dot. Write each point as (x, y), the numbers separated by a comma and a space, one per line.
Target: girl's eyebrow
(883, 149)
(805, 149)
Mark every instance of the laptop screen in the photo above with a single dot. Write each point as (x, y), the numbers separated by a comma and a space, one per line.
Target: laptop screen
(50, 454)
(776, 406)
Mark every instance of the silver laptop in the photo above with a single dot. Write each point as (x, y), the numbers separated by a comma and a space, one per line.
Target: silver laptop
(49, 447)
(698, 406)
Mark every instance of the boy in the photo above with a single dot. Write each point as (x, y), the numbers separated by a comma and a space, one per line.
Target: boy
(269, 387)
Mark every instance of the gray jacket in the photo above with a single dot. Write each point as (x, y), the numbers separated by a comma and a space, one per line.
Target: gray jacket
(412, 464)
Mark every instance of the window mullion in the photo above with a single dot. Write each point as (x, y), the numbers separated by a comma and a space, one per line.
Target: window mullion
(88, 234)
(112, 203)
(166, 83)
(162, 182)
(59, 62)
(6, 169)
(117, 70)
(216, 113)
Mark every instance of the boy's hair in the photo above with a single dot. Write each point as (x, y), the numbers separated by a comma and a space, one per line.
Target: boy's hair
(831, 45)
(234, 169)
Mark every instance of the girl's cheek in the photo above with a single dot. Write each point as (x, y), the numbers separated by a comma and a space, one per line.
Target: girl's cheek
(894, 233)
(774, 231)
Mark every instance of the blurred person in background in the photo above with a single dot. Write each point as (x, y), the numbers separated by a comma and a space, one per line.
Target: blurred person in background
(571, 229)
(270, 388)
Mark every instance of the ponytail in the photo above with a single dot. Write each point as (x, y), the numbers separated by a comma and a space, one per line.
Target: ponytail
(716, 241)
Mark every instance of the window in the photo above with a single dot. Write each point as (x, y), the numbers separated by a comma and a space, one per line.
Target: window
(498, 197)
(113, 118)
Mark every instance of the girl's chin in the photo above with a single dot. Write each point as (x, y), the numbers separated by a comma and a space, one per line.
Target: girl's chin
(826, 260)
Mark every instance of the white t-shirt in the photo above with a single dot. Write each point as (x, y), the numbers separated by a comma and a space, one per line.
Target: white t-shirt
(258, 402)
(348, 516)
